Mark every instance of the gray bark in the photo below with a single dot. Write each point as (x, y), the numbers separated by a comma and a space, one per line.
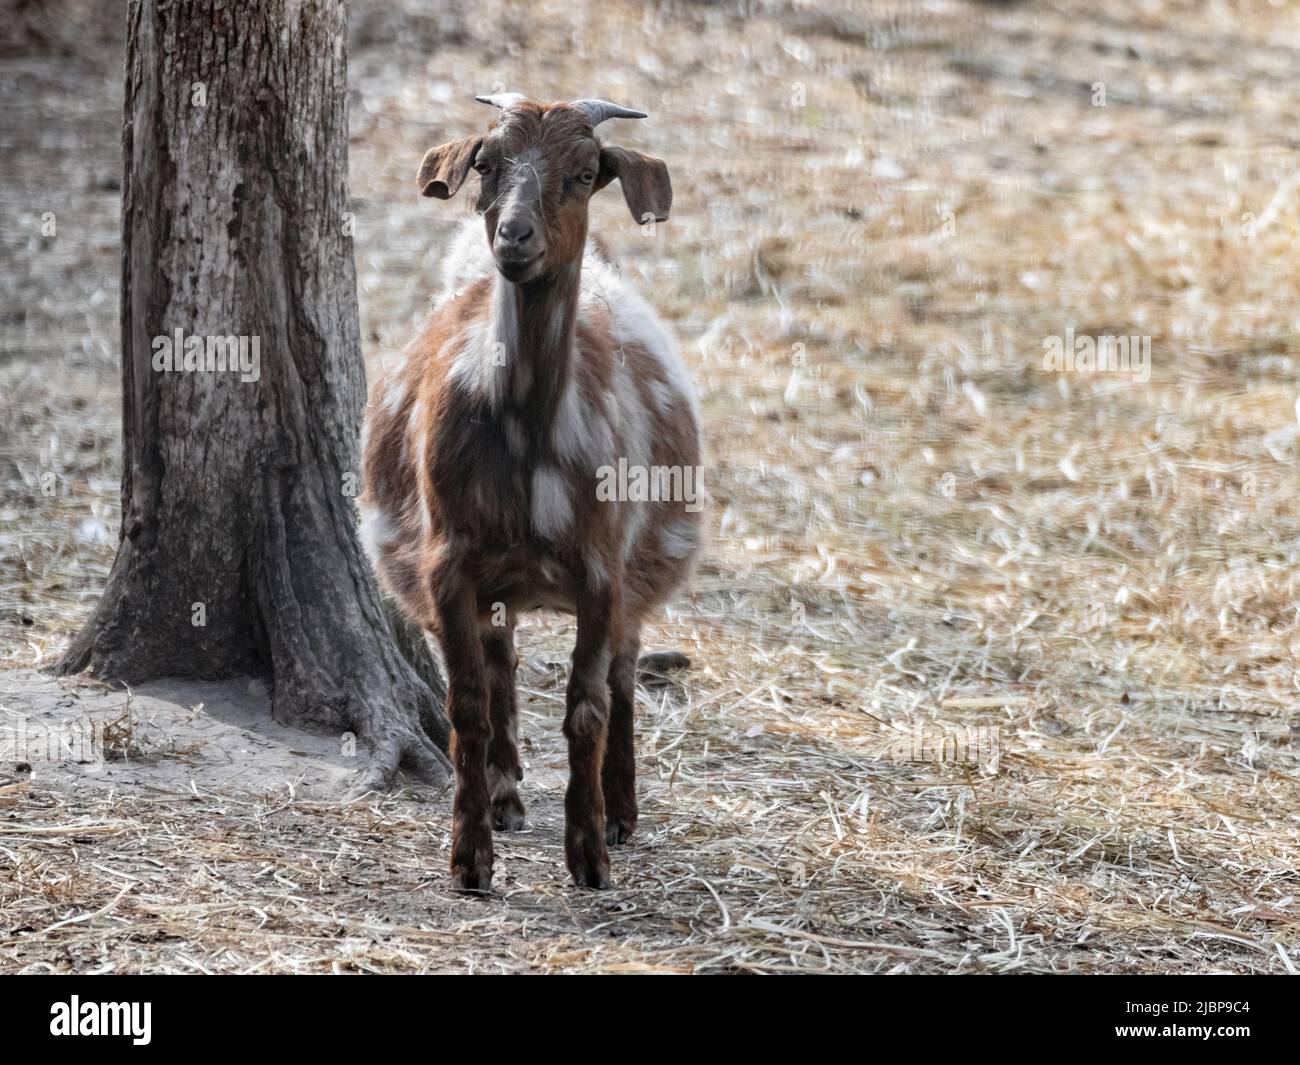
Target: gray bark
(239, 495)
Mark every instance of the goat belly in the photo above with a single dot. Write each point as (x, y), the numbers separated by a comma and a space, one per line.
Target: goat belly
(538, 581)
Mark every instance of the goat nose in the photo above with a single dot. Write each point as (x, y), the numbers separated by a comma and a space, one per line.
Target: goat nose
(515, 231)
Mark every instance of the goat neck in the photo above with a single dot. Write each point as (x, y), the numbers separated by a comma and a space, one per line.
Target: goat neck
(535, 324)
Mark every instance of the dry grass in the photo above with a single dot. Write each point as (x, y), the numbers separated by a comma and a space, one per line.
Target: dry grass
(915, 523)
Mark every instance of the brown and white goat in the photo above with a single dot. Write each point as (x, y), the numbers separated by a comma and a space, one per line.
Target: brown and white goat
(538, 373)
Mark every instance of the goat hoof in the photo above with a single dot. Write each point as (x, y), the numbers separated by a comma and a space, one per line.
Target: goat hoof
(508, 814)
(617, 832)
(587, 858)
(596, 876)
(471, 881)
(471, 867)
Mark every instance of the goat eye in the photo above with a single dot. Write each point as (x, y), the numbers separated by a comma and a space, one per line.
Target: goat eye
(483, 168)
(586, 177)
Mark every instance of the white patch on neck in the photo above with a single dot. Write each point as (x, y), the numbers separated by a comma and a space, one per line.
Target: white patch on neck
(482, 364)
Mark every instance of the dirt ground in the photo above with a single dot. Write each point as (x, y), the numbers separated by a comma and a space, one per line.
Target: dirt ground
(994, 664)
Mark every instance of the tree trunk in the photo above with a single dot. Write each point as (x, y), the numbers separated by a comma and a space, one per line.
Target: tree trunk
(239, 553)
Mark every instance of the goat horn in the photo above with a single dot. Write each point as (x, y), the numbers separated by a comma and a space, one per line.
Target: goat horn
(599, 110)
(503, 100)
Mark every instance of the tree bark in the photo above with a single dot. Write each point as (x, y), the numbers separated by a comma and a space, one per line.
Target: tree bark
(239, 553)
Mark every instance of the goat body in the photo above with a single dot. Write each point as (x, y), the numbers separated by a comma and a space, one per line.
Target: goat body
(487, 445)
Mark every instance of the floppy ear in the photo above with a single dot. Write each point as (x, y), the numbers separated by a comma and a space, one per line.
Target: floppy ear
(646, 187)
(444, 168)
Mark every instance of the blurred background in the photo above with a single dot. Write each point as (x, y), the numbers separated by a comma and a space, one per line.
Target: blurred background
(883, 213)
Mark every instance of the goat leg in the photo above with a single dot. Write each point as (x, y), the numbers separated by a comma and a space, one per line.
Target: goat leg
(503, 767)
(467, 705)
(586, 722)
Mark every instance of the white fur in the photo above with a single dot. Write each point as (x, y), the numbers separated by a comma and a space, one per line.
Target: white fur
(479, 366)
(377, 532)
(681, 538)
(632, 319)
(665, 397)
(632, 426)
(552, 508)
(467, 259)
(421, 462)
(581, 435)
(394, 394)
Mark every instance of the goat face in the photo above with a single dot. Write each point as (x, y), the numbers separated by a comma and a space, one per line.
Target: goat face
(538, 167)
(537, 171)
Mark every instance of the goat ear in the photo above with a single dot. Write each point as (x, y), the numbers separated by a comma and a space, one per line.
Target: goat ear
(443, 169)
(646, 188)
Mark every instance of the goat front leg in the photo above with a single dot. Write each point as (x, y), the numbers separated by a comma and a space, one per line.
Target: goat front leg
(503, 767)
(467, 707)
(619, 773)
(586, 721)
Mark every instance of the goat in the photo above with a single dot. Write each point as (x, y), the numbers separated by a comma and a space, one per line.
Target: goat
(489, 459)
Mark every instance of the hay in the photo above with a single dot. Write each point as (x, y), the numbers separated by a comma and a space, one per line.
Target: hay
(915, 524)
